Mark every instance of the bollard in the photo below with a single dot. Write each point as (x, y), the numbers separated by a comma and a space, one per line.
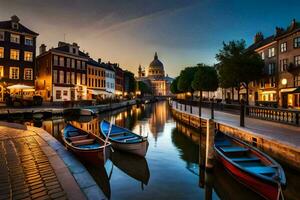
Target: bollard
(199, 108)
(212, 110)
(242, 114)
(210, 137)
(201, 183)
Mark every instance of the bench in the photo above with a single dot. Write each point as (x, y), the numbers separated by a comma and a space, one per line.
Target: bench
(233, 149)
(245, 159)
(77, 138)
(83, 142)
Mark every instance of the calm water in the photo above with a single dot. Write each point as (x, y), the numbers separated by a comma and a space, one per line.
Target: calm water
(173, 167)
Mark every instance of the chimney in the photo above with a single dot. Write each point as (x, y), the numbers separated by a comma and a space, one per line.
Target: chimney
(258, 37)
(42, 48)
(99, 60)
(293, 24)
(279, 30)
(15, 19)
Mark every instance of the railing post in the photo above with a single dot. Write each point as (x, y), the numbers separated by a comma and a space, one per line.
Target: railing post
(200, 108)
(212, 109)
(210, 137)
(242, 114)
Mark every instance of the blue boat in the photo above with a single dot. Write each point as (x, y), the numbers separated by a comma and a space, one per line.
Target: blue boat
(124, 139)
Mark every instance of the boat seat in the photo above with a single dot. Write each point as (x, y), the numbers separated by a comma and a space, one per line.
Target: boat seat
(124, 137)
(261, 170)
(79, 137)
(117, 134)
(130, 139)
(245, 159)
(83, 142)
(223, 143)
(72, 133)
(233, 149)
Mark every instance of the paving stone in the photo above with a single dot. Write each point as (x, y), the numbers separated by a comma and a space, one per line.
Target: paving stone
(58, 194)
(40, 194)
(21, 196)
(38, 190)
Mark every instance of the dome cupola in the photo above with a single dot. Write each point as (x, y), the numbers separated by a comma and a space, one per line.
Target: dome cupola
(156, 68)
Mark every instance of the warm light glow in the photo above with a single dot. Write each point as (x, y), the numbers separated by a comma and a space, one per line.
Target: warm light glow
(138, 92)
(284, 81)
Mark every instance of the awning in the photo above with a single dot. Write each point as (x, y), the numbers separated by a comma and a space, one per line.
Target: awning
(291, 90)
(97, 92)
(269, 92)
(19, 87)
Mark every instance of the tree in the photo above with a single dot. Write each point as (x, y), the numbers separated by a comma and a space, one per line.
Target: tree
(143, 88)
(173, 87)
(238, 67)
(185, 80)
(205, 79)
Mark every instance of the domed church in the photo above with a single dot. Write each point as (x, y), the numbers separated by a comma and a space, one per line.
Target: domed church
(155, 77)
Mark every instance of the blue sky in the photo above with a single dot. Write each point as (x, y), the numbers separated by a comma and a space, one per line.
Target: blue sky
(183, 32)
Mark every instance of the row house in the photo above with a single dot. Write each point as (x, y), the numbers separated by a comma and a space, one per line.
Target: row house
(110, 80)
(17, 56)
(280, 83)
(62, 73)
(119, 80)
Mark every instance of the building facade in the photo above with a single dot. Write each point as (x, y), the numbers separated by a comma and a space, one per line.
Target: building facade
(155, 77)
(280, 83)
(17, 55)
(119, 80)
(109, 80)
(62, 73)
(96, 80)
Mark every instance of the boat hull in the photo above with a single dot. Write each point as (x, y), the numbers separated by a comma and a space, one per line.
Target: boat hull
(134, 148)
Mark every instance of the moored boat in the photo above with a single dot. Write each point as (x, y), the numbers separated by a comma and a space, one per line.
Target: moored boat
(87, 146)
(124, 140)
(250, 166)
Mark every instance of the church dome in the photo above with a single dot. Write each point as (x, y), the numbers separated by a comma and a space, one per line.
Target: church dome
(156, 67)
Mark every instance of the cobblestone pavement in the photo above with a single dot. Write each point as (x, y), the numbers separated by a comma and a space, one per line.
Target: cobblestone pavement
(25, 171)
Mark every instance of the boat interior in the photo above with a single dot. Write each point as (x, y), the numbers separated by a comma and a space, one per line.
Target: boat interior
(245, 157)
(79, 139)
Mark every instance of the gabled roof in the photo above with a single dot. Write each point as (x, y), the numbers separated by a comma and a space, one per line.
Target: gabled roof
(6, 25)
(261, 43)
(65, 48)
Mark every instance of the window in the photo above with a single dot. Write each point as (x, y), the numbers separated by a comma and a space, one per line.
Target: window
(29, 41)
(14, 38)
(73, 78)
(1, 52)
(83, 80)
(61, 77)
(78, 64)
(297, 42)
(297, 80)
(58, 94)
(271, 52)
(61, 61)
(283, 65)
(273, 81)
(78, 80)
(55, 60)
(73, 63)
(68, 77)
(1, 71)
(28, 74)
(262, 83)
(297, 60)
(14, 72)
(1, 36)
(283, 47)
(68, 62)
(65, 93)
(15, 25)
(83, 65)
(28, 56)
(14, 54)
(55, 76)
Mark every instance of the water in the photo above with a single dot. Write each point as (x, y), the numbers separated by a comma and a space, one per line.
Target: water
(174, 165)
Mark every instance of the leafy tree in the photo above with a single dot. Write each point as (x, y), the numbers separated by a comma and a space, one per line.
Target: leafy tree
(144, 88)
(237, 67)
(185, 80)
(130, 82)
(173, 87)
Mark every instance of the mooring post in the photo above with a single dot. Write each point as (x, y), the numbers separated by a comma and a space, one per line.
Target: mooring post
(210, 137)
(242, 114)
(208, 185)
(212, 109)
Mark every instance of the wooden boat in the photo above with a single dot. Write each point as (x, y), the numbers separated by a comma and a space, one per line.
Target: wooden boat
(124, 140)
(133, 165)
(250, 166)
(85, 145)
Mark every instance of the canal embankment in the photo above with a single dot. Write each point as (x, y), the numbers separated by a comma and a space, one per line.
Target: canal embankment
(280, 141)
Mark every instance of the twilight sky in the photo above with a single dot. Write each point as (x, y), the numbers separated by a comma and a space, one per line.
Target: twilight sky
(183, 32)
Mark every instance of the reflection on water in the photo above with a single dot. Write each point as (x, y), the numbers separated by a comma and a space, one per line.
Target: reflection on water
(174, 165)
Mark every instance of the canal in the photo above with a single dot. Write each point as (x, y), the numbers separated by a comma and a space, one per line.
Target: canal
(174, 165)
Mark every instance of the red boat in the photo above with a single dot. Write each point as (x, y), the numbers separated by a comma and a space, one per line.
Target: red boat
(87, 146)
(250, 166)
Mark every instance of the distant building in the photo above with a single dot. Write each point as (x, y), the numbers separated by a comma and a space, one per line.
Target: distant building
(62, 73)
(119, 80)
(96, 79)
(155, 77)
(17, 55)
(109, 80)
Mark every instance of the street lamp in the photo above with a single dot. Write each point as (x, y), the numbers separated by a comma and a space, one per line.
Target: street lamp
(284, 81)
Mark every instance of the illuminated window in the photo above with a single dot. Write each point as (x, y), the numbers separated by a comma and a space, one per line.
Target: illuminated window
(14, 72)
(29, 41)
(65, 93)
(68, 77)
(61, 77)
(73, 78)
(297, 60)
(283, 65)
(73, 63)
(83, 80)
(28, 74)
(68, 62)
(14, 54)
(55, 76)
(1, 71)
(283, 47)
(83, 65)
(15, 38)
(1, 36)
(271, 52)
(58, 94)
(297, 42)
(55, 60)
(78, 80)
(61, 61)
(28, 56)
(1, 52)
(297, 80)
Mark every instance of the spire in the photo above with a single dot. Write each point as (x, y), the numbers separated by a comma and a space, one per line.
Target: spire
(155, 56)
